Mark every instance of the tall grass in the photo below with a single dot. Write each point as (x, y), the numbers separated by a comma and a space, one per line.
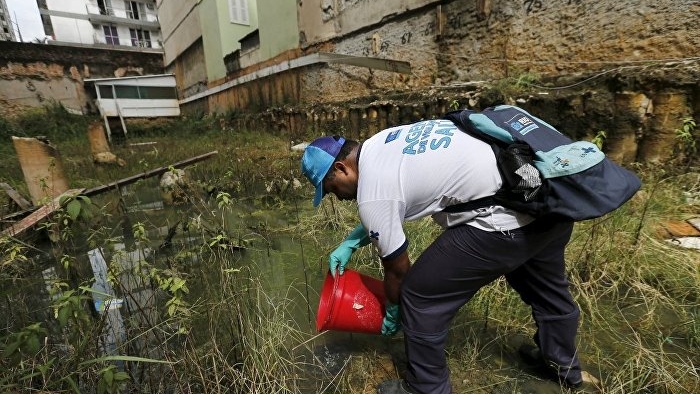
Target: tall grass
(197, 319)
(212, 310)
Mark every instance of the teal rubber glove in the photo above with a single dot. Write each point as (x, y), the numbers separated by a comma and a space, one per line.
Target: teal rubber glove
(339, 258)
(392, 320)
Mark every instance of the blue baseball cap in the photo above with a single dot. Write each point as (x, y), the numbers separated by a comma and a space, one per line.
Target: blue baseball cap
(318, 158)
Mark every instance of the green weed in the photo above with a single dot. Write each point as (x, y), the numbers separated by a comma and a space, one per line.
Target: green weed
(687, 140)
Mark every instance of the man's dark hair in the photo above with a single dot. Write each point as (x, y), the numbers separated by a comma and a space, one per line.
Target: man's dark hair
(346, 149)
(348, 146)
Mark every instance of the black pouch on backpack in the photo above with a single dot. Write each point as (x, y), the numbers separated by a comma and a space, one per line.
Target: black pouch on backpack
(516, 164)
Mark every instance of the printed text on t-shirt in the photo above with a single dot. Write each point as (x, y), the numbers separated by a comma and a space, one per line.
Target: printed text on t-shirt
(433, 134)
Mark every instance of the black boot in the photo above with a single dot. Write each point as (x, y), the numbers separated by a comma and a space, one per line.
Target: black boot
(397, 386)
(532, 355)
(556, 339)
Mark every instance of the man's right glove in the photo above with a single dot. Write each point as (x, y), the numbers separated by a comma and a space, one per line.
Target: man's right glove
(341, 255)
(392, 320)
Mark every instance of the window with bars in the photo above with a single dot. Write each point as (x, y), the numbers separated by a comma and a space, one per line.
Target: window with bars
(111, 35)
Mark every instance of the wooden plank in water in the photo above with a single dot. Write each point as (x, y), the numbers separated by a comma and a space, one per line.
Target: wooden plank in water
(147, 174)
(15, 196)
(19, 214)
(38, 215)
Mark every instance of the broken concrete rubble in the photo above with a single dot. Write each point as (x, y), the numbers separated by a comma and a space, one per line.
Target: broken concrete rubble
(99, 147)
(682, 233)
(42, 168)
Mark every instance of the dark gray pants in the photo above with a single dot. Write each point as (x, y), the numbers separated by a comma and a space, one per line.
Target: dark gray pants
(462, 260)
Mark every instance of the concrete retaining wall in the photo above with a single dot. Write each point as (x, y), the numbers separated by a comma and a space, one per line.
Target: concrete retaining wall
(31, 75)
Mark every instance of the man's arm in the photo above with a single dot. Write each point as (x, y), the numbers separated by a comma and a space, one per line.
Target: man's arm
(394, 272)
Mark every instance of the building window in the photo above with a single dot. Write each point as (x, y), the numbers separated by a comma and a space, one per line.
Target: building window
(105, 7)
(250, 42)
(140, 38)
(111, 35)
(105, 92)
(238, 11)
(138, 92)
(127, 92)
(157, 92)
(135, 10)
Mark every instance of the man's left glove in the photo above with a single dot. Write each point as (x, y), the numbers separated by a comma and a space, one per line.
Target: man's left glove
(339, 258)
(392, 320)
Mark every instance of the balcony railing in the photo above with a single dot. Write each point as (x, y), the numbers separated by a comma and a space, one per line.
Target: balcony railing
(141, 43)
(97, 15)
(106, 11)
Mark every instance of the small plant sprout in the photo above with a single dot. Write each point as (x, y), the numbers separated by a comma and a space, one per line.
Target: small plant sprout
(599, 139)
(687, 137)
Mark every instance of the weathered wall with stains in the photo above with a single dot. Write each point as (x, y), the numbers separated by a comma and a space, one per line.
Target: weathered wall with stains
(563, 36)
(452, 42)
(33, 74)
(190, 70)
(629, 69)
(410, 38)
(461, 41)
(320, 21)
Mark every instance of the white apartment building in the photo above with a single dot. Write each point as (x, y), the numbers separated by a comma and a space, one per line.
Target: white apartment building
(102, 22)
(7, 31)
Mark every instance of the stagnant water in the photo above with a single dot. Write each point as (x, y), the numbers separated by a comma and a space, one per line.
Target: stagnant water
(277, 257)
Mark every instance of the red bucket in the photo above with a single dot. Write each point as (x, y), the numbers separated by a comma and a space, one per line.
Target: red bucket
(351, 302)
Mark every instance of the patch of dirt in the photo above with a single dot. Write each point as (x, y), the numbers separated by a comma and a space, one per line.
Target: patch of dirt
(11, 110)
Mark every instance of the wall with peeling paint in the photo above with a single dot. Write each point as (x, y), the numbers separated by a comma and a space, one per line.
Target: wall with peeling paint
(32, 75)
(323, 20)
(411, 38)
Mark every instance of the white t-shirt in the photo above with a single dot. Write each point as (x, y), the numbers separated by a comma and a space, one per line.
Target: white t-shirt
(412, 171)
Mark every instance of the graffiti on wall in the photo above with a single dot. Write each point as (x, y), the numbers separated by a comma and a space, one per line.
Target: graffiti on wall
(454, 21)
(430, 28)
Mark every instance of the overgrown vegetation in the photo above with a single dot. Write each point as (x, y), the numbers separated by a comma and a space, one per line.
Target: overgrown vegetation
(687, 138)
(511, 86)
(217, 294)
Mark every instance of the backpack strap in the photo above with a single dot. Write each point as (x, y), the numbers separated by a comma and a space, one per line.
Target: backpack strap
(482, 202)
